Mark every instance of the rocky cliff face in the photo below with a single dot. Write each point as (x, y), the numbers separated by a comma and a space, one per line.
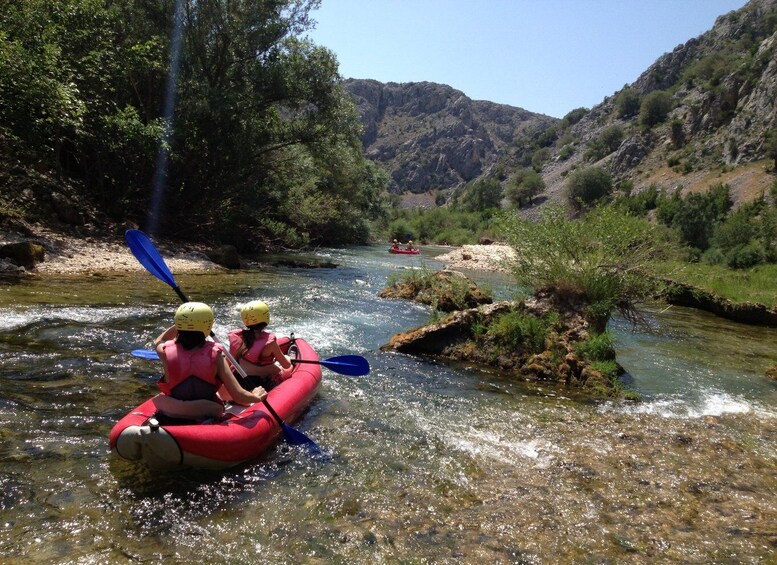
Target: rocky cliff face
(723, 87)
(431, 137)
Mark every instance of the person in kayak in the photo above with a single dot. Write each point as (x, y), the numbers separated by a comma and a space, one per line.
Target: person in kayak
(395, 245)
(257, 349)
(410, 245)
(195, 368)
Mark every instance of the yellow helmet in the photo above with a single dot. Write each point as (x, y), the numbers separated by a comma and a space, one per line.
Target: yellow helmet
(255, 312)
(194, 317)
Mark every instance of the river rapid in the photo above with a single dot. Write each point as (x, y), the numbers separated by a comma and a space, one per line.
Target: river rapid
(427, 462)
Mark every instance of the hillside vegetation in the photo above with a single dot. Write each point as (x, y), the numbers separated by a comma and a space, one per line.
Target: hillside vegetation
(214, 122)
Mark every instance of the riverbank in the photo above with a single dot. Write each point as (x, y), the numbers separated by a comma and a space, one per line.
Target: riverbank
(72, 255)
(490, 258)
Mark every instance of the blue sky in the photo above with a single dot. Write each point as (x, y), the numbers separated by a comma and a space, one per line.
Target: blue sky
(546, 56)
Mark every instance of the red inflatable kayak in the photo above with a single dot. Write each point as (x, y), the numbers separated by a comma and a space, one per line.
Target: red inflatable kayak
(404, 251)
(249, 430)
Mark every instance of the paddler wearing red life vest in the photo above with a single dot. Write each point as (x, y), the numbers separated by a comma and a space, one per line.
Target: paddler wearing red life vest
(195, 368)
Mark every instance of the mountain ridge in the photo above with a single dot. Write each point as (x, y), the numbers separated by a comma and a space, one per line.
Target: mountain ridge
(722, 85)
(432, 137)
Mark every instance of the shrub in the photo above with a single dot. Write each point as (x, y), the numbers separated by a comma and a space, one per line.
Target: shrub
(524, 186)
(654, 108)
(520, 331)
(597, 259)
(599, 347)
(586, 187)
(745, 256)
(627, 103)
(677, 134)
(574, 116)
(566, 152)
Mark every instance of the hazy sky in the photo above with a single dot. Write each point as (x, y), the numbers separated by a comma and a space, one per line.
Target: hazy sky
(546, 56)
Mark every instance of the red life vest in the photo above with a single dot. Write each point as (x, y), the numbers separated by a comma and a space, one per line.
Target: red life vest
(195, 369)
(254, 353)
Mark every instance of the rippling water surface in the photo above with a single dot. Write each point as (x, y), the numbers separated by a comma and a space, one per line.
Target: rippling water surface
(430, 463)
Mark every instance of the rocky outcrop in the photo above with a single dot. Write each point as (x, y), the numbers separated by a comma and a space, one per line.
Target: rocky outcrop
(23, 253)
(432, 137)
(461, 337)
(723, 87)
(446, 291)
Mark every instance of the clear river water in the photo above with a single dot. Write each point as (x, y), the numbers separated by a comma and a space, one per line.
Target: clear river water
(428, 462)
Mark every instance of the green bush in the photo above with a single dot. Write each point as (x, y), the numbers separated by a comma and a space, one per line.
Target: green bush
(598, 347)
(627, 103)
(655, 108)
(598, 259)
(586, 187)
(745, 256)
(520, 331)
(639, 204)
(524, 186)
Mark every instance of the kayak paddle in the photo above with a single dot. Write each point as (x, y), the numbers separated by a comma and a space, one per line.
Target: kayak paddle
(352, 365)
(148, 256)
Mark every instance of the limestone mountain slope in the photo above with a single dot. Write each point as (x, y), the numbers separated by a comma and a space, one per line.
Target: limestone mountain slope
(431, 137)
(723, 91)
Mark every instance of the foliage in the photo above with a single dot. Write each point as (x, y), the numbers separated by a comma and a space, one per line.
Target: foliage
(598, 347)
(523, 186)
(599, 258)
(639, 204)
(481, 195)
(445, 226)
(605, 143)
(574, 116)
(263, 142)
(770, 141)
(586, 187)
(696, 215)
(520, 331)
(627, 103)
(453, 292)
(676, 133)
(654, 108)
(754, 284)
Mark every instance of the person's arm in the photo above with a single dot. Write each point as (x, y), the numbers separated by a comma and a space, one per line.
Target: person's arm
(275, 349)
(167, 335)
(237, 392)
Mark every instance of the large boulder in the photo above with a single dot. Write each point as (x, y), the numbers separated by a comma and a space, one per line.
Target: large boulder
(23, 253)
(226, 256)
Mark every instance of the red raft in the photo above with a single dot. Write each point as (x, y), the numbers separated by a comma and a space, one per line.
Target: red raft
(248, 431)
(404, 251)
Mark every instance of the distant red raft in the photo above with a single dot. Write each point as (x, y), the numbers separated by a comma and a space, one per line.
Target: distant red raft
(219, 445)
(404, 251)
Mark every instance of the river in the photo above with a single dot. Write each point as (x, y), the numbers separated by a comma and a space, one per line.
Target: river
(428, 462)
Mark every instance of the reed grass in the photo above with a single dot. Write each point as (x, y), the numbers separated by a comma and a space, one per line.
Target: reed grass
(756, 284)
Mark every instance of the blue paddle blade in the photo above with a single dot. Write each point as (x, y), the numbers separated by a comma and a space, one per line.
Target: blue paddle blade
(296, 437)
(147, 255)
(145, 354)
(353, 365)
